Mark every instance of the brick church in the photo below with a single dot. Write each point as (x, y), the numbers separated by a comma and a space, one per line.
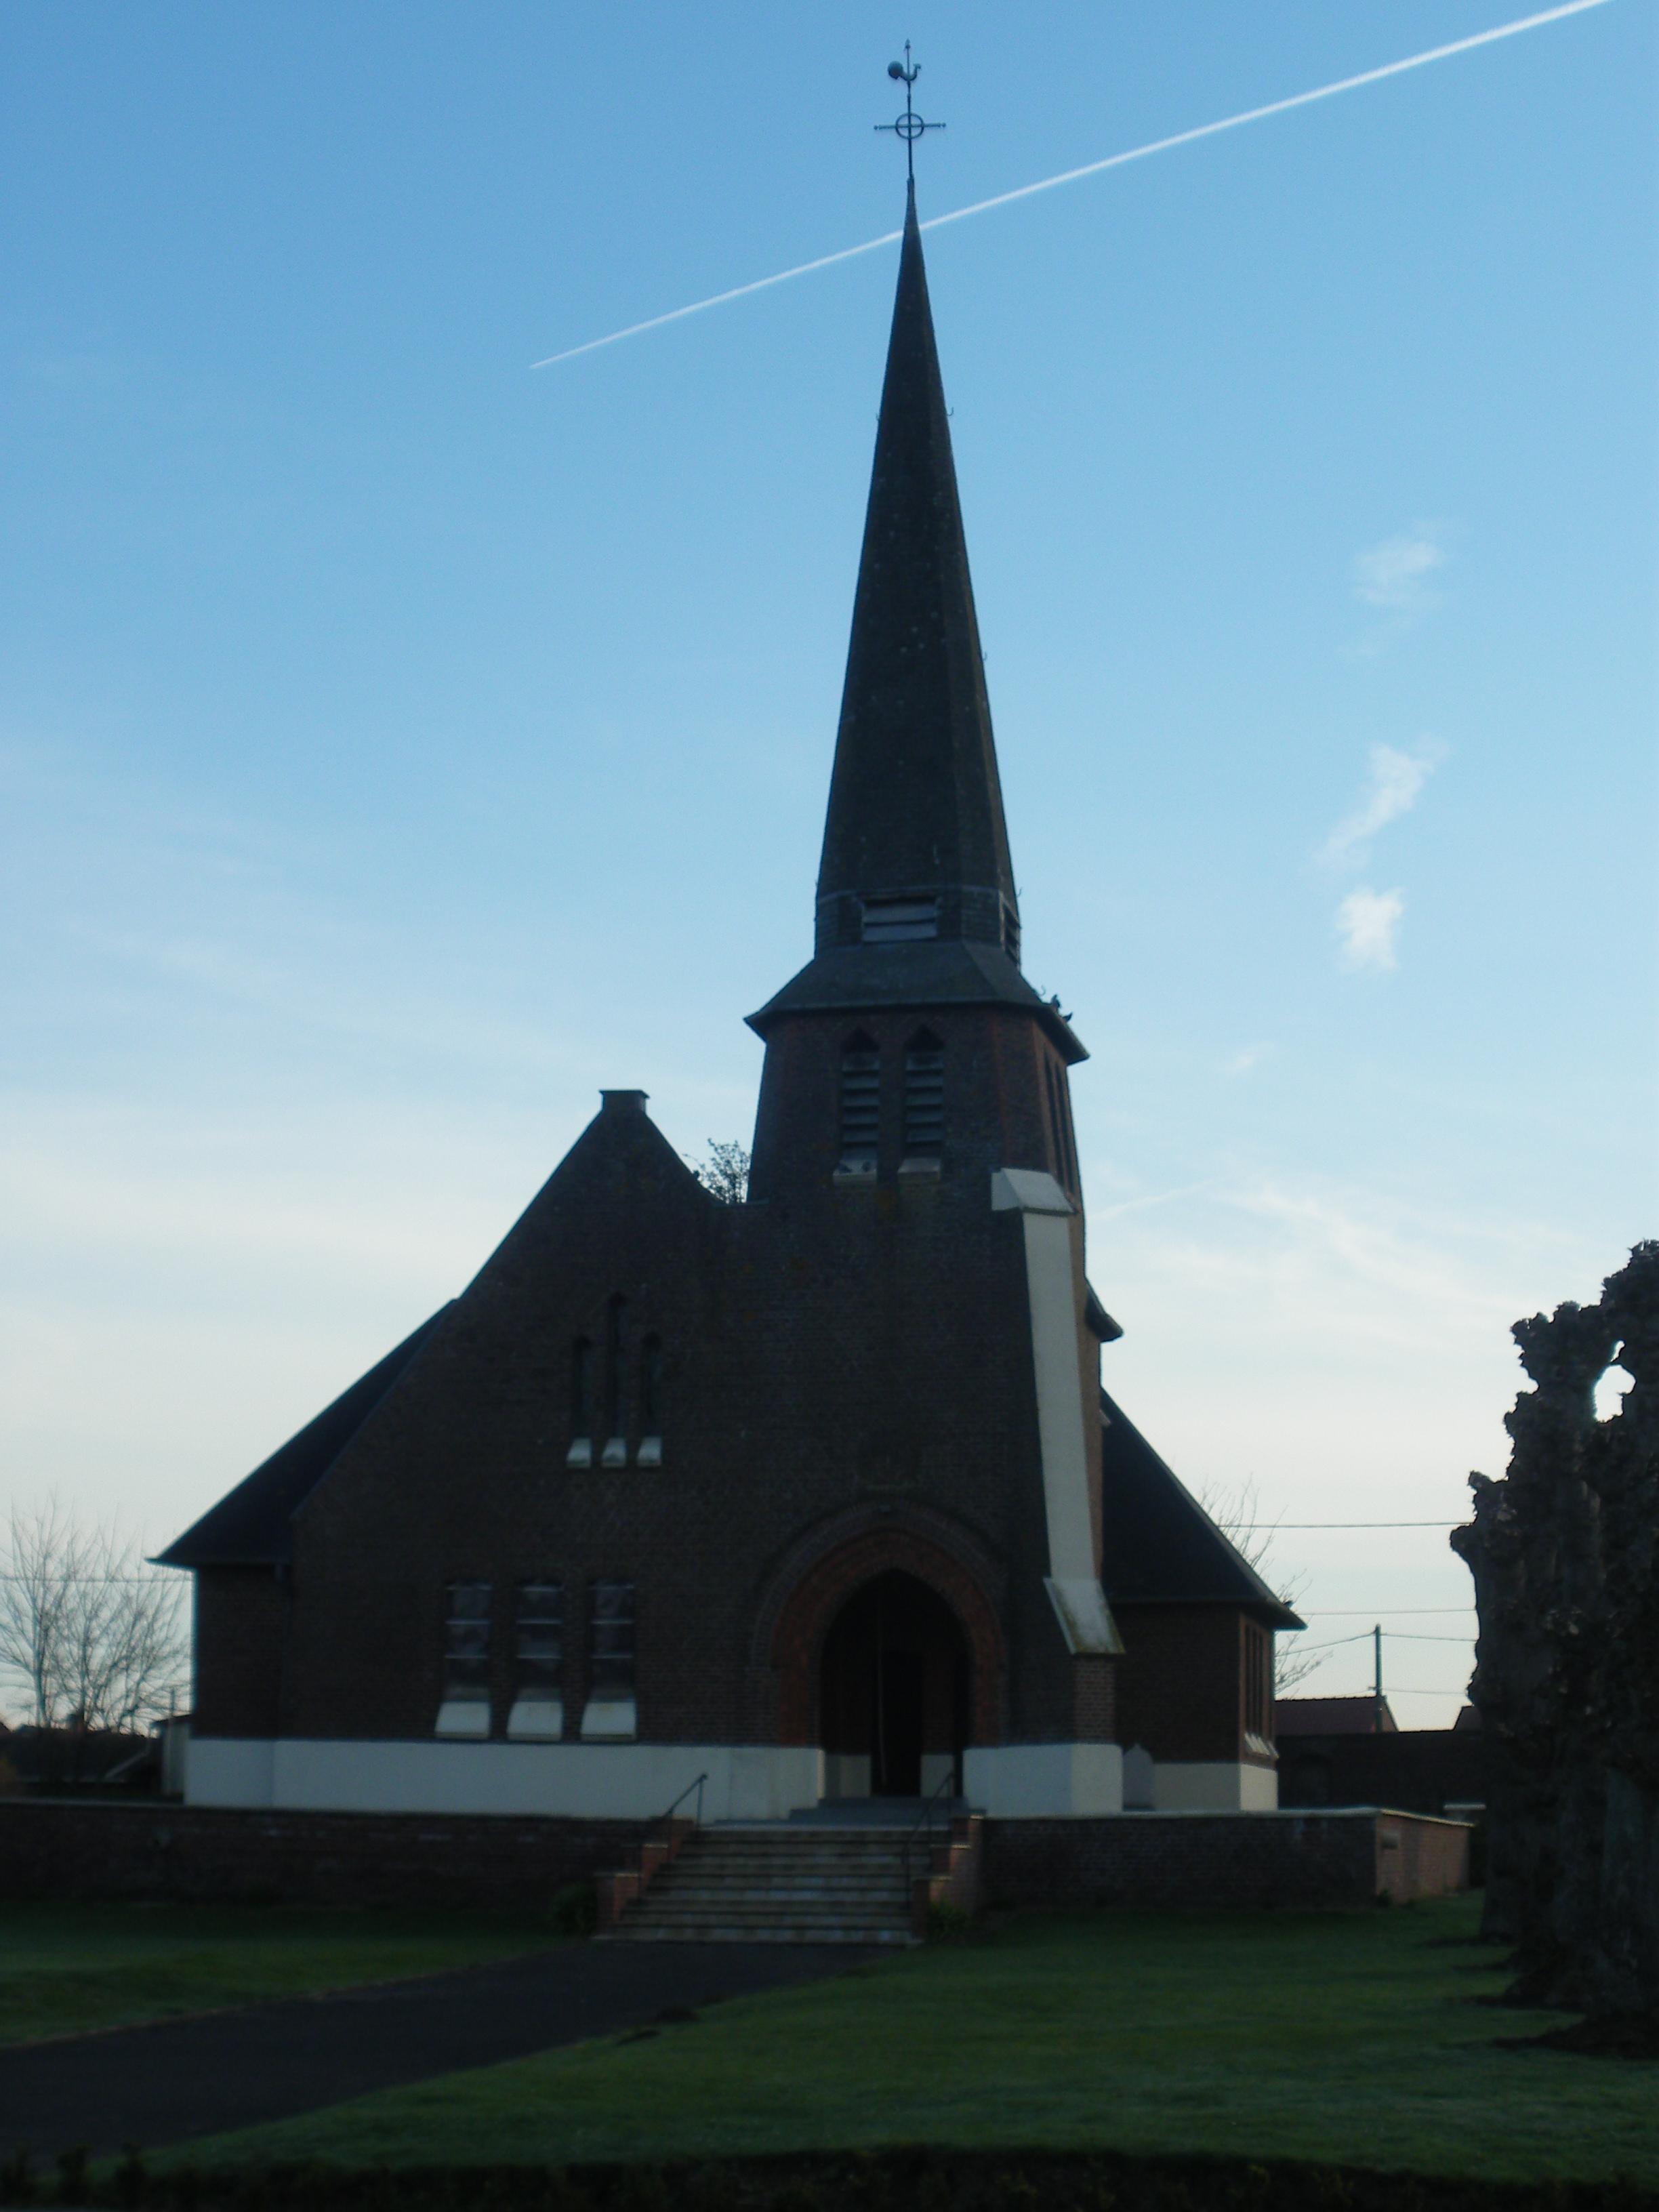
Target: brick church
(816, 1494)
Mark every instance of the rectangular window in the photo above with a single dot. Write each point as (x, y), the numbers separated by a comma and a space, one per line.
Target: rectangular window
(609, 1712)
(611, 1658)
(538, 1663)
(466, 1707)
(899, 920)
(539, 1650)
(1255, 1683)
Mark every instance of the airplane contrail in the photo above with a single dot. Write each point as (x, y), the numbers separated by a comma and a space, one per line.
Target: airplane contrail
(1088, 169)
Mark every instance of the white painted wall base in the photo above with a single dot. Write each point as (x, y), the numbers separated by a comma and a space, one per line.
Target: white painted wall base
(1034, 1780)
(1213, 1786)
(845, 1774)
(937, 1769)
(599, 1781)
(624, 1781)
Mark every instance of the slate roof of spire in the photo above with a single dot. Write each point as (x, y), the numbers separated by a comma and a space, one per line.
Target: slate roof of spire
(914, 801)
(915, 805)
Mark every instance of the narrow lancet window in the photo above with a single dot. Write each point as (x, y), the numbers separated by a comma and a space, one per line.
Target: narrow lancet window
(651, 1402)
(466, 1707)
(615, 1390)
(580, 1453)
(538, 1663)
(923, 1098)
(860, 1106)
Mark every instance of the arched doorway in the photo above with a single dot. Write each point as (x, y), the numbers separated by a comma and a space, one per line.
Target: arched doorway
(895, 1693)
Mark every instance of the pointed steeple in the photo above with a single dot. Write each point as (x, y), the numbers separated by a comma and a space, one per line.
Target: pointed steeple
(916, 809)
(916, 904)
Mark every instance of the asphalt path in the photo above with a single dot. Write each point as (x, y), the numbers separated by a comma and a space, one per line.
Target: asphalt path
(175, 2079)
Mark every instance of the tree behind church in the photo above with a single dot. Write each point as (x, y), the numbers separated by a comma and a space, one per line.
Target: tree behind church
(91, 1634)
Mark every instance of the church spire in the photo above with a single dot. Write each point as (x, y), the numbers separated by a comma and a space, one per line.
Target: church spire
(914, 844)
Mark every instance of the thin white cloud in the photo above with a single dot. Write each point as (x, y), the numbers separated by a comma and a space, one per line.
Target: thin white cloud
(1394, 574)
(1367, 923)
(1393, 786)
(1246, 1060)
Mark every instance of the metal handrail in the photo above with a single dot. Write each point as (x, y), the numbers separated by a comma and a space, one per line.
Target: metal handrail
(697, 1818)
(925, 1819)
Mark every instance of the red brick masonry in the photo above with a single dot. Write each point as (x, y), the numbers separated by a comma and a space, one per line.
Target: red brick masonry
(53, 1848)
(1336, 1856)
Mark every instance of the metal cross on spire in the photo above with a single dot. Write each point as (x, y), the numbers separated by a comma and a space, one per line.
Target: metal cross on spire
(909, 127)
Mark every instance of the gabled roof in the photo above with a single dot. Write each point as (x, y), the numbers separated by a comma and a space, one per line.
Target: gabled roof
(1333, 1717)
(1159, 1544)
(252, 1526)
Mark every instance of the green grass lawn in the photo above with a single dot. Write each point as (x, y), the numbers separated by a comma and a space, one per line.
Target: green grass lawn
(1336, 2037)
(66, 1968)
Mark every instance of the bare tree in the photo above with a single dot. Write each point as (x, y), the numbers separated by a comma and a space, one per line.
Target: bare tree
(92, 1632)
(1237, 1513)
(34, 1600)
(725, 1173)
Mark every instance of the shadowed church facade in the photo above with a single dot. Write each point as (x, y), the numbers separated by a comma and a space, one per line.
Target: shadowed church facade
(817, 1495)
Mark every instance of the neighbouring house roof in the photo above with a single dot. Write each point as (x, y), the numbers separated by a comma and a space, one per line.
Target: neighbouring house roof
(1159, 1544)
(1333, 1717)
(252, 1525)
(1468, 1719)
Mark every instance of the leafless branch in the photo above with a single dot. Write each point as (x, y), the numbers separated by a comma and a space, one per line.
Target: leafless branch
(1237, 1513)
(93, 1633)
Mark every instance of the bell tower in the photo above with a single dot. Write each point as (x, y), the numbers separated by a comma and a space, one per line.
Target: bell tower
(911, 1045)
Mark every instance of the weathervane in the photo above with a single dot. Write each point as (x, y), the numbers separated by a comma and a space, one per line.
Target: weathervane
(909, 127)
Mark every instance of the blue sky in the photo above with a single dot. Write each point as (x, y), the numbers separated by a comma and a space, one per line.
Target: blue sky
(397, 743)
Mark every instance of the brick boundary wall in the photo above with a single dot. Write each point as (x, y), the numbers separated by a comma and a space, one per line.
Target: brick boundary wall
(201, 1853)
(1335, 1856)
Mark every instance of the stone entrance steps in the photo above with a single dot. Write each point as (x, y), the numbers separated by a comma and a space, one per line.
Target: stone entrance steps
(778, 1885)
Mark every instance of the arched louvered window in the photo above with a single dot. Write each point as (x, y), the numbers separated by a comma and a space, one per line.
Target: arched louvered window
(860, 1105)
(1059, 1124)
(1010, 933)
(924, 1096)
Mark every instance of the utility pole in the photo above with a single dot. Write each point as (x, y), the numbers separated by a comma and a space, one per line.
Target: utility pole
(1377, 1649)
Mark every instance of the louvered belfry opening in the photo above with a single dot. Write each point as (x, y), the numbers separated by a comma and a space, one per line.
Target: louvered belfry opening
(860, 1105)
(923, 1097)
